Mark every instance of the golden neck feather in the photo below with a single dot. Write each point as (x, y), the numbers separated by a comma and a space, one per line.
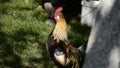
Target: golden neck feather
(60, 30)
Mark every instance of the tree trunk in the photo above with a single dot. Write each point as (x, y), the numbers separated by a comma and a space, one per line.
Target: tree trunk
(103, 49)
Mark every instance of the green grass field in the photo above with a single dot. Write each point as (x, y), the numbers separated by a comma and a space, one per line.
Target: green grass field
(23, 33)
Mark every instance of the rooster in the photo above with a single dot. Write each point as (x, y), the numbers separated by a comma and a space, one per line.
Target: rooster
(60, 50)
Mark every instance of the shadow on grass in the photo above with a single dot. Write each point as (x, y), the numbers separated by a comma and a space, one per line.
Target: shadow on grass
(7, 56)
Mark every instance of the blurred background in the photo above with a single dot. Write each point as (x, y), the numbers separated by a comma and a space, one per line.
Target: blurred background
(23, 33)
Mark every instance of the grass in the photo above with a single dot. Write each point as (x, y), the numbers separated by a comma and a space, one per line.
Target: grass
(23, 34)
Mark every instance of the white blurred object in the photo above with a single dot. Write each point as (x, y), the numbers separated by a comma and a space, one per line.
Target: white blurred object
(49, 8)
(89, 11)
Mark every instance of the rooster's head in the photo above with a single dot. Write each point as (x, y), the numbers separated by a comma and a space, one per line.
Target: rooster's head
(58, 13)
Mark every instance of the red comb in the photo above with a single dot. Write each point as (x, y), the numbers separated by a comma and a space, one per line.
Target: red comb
(58, 10)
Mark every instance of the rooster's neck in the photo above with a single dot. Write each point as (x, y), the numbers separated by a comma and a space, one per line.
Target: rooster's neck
(60, 30)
